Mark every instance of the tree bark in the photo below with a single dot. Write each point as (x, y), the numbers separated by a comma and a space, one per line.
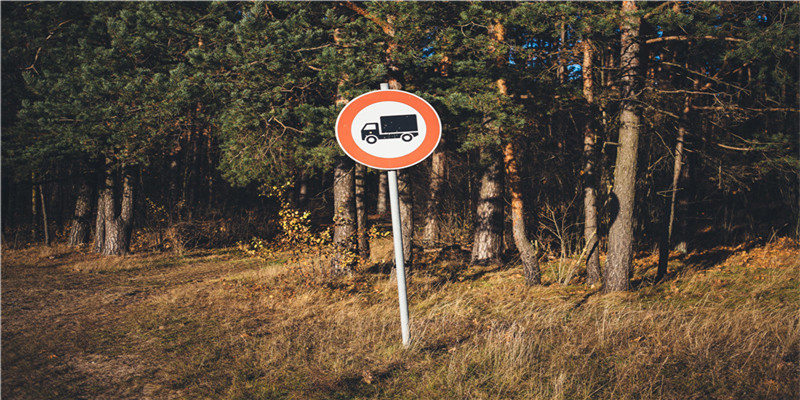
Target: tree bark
(589, 175)
(344, 217)
(620, 236)
(118, 224)
(361, 211)
(45, 226)
(34, 211)
(527, 253)
(406, 215)
(488, 240)
(302, 191)
(430, 234)
(79, 231)
(103, 201)
(678, 171)
(383, 194)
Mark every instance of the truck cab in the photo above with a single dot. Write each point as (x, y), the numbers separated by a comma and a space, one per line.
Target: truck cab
(370, 132)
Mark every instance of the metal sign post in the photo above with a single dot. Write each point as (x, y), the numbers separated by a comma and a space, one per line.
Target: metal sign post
(390, 130)
(399, 257)
(397, 235)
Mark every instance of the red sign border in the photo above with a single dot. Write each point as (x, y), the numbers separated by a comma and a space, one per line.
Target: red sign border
(345, 139)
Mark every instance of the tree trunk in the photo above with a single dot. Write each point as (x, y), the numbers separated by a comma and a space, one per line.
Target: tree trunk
(361, 211)
(118, 225)
(430, 234)
(589, 175)
(45, 227)
(620, 236)
(527, 253)
(406, 215)
(383, 195)
(79, 231)
(678, 172)
(562, 49)
(488, 239)
(344, 217)
(34, 210)
(103, 201)
(302, 192)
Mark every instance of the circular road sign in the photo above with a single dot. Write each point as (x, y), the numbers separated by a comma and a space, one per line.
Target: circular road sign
(388, 129)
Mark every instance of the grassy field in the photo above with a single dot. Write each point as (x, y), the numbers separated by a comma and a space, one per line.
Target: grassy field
(221, 324)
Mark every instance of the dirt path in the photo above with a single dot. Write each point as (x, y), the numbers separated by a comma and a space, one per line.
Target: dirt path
(60, 314)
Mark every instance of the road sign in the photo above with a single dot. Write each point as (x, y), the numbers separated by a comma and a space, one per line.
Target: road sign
(388, 129)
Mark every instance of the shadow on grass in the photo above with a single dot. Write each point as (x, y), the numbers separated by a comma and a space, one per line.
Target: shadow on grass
(696, 261)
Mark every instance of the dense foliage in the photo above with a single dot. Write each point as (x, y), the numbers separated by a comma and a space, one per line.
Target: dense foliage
(214, 104)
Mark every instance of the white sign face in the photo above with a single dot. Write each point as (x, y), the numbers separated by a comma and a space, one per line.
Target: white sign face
(388, 129)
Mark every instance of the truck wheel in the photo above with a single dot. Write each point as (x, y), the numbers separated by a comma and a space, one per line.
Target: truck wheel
(371, 139)
(407, 137)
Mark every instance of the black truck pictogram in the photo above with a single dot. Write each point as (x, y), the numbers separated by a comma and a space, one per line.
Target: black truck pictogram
(391, 127)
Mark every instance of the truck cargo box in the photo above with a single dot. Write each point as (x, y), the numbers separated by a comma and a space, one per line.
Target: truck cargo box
(399, 123)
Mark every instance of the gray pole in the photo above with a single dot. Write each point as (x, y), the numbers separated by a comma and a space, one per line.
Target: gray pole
(397, 234)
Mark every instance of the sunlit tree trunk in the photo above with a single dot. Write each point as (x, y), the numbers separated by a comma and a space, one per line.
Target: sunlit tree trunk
(620, 236)
(383, 194)
(430, 234)
(345, 231)
(589, 174)
(488, 240)
(527, 253)
(344, 217)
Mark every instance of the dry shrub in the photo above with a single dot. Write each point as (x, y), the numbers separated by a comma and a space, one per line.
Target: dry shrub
(201, 234)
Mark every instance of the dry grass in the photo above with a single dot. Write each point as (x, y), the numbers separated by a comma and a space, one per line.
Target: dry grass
(216, 324)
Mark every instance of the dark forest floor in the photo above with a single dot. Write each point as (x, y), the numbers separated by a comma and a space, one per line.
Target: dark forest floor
(224, 324)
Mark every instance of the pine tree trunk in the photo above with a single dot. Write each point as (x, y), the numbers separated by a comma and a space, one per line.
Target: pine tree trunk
(103, 201)
(589, 175)
(406, 215)
(527, 253)
(383, 194)
(344, 217)
(34, 210)
(118, 225)
(677, 172)
(302, 192)
(45, 226)
(681, 234)
(430, 233)
(620, 236)
(361, 211)
(79, 231)
(488, 239)
(676, 175)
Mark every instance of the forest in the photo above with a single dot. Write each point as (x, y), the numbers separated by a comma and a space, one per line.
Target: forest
(569, 128)
(578, 138)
